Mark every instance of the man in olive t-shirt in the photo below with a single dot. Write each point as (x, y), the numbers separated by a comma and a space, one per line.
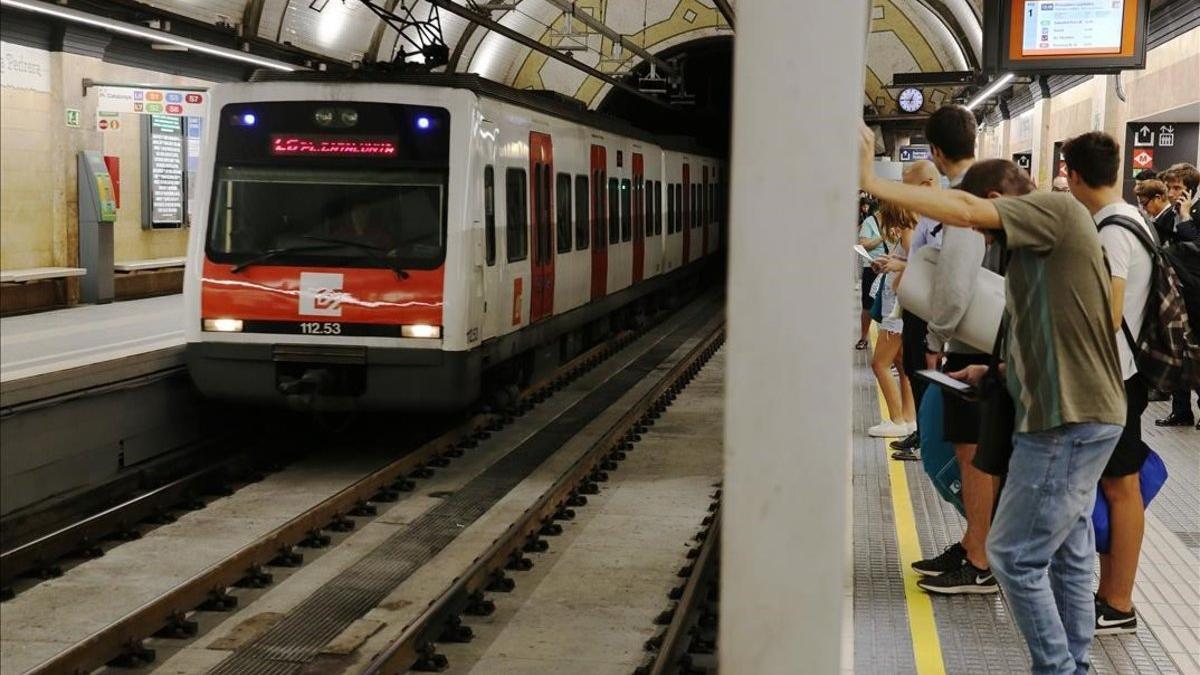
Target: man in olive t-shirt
(1063, 373)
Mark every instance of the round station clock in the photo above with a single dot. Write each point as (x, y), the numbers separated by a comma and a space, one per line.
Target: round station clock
(911, 100)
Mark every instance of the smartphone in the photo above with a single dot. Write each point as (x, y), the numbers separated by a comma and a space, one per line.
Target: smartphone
(956, 387)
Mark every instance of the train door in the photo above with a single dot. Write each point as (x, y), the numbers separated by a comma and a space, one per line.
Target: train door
(686, 209)
(638, 214)
(599, 222)
(705, 209)
(541, 225)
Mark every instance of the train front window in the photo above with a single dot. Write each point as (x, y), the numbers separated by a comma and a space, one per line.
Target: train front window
(315, 217)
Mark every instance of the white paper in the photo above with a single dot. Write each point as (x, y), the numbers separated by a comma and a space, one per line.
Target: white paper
(858, 248)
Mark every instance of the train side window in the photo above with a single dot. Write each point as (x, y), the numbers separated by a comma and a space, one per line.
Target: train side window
(695, 206)
(516, 225)
(563, 200)
(489, 213)
(648, 205)
(614, 211)
(626, 210)
(582, 214)
(670, 209)
(657, 206)
(544, 228)
(679, 205)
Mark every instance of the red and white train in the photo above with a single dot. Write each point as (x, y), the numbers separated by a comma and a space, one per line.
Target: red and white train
(395, 244)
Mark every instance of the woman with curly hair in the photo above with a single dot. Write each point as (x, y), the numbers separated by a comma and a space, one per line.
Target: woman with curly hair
(896, 226)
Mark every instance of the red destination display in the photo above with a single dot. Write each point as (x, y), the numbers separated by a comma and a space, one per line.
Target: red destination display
(292, 145)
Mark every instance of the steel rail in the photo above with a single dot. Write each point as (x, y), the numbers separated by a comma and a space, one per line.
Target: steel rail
(417, 638)
(168, 612)
(674, 639)
(85, 535)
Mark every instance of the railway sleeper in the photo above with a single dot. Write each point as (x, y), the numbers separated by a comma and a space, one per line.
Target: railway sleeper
(430, 661)
(500, 583)
(518, 563)
(340, 523)
(385, 495)
(455, 631)
(219, 600)
(133, 655)
(315, 539)
(255, 577)
(178, 627)
(477, 605)
(287, 557)
(536, 545)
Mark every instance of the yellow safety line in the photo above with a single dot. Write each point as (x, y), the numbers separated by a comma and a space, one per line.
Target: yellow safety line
(927, 649)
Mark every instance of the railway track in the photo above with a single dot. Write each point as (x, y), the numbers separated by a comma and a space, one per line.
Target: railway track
(442, 621)
(122, 642)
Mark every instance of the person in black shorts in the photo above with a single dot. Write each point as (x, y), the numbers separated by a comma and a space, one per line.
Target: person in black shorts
(1093, 161)
(963, 566)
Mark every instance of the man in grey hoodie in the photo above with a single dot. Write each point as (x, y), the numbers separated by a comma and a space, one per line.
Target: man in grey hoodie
(951, 135)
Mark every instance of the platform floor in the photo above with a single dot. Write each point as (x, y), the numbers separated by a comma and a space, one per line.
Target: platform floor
(63, 339)
(898, 515)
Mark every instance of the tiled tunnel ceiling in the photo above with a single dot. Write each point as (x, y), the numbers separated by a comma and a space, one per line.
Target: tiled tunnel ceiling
(906, 36)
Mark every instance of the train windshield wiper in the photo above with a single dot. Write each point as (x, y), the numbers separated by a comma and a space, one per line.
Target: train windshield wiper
(378, 253)
(273, 252)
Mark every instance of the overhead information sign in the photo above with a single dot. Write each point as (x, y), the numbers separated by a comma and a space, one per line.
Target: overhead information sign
(1064, 36)
(1072, 27)
(175, 102)
(912, 153)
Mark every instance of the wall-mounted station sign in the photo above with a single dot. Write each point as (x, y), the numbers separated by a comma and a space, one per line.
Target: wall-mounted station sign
(176, 102)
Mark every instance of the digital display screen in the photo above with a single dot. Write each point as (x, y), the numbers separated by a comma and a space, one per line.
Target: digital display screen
(307, 145)
(1072, 28)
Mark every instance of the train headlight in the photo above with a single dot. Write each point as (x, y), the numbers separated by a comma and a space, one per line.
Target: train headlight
(420, 330)
(223, 325)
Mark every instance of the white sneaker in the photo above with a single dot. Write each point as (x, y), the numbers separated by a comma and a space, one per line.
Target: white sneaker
(888, 429)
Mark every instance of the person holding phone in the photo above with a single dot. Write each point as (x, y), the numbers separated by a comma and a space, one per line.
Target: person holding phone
(1178, 223)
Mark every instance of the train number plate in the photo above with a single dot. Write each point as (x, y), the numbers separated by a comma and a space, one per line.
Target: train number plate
(321, 327)
(333, 328)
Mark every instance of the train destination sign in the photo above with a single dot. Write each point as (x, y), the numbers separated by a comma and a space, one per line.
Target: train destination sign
(293, 145)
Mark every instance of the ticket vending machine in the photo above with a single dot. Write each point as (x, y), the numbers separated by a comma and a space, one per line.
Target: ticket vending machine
(97, 213)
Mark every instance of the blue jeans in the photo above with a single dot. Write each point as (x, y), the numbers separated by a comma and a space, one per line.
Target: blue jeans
(1043, 522)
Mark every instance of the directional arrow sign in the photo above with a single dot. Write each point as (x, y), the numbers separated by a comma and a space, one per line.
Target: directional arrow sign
(1143, 137)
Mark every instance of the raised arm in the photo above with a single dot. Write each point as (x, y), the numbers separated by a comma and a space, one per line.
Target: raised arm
(951, 207)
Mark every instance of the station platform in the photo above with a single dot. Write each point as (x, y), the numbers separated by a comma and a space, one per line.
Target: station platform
(87, 393)
(52, 353)
(899, 517)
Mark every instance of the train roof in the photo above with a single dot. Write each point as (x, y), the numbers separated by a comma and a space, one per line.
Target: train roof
(547, 102)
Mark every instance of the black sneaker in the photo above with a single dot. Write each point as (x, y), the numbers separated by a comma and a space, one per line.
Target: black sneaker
(950, 559)
(907, 455)
(966, 579)
(909, 442)
(1112, 621)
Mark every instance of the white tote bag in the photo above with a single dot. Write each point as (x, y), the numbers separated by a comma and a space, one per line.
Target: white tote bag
(981, 321)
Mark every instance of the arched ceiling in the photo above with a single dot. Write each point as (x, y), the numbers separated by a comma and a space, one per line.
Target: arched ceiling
(906, 36)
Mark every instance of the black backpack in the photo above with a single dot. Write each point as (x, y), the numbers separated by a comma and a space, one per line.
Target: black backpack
(1167, 354)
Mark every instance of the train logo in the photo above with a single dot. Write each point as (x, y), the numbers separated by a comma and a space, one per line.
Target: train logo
(321, 294)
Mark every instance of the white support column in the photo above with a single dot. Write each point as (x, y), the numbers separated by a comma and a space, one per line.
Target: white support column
(798, 83)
